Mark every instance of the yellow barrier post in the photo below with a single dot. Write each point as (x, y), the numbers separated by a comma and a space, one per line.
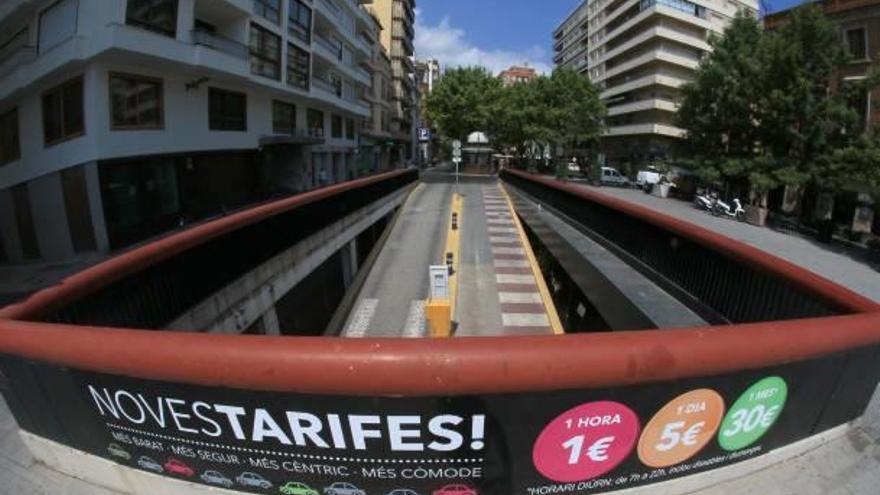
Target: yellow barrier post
(440, 311)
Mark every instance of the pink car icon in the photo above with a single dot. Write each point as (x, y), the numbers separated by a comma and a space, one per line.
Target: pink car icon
(456, 490)
(176, 466)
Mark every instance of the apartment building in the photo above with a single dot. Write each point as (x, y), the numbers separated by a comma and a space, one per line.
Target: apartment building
(398, 20)
(377, 141)
(122, 119)
(859, 23)
(640, 52)
(517, 75)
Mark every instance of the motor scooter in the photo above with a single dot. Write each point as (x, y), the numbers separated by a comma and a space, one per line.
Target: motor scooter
(735, 210)
(705, 202)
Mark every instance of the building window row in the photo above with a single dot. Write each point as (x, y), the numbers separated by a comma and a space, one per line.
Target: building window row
(135, 102)
(156, 15)
(63, 116)
(227, 110)
(10, 149)
(298, 67)
(265, 49)
(857, 43)
(680, 5)
(268, 9)
(299, 20)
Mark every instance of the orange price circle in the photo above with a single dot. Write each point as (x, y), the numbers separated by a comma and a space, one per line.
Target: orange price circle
(681, 428)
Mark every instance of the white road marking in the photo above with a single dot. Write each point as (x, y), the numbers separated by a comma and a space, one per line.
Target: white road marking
(519, 297)
(496, 208)
(525, 320)
(503, 238)
(502, 230)
(499, 221)
(511, 263)
(508, 250)
(361, 319)
(415, 320)
(507, 278)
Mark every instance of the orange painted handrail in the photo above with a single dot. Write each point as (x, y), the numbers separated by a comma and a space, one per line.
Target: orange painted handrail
(430, 367)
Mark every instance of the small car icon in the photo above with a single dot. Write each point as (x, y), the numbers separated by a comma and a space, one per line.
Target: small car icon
(339, 488)
(456, 490)
(294, 488)
(254, 480)
(150, 465)
(216, 478)
(117, 451)
(403, 491)
(176, 466)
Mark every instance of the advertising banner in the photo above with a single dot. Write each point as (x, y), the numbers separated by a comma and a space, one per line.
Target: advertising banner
(569, 441)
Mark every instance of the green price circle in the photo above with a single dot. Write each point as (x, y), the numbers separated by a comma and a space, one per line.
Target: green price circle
(753, 414)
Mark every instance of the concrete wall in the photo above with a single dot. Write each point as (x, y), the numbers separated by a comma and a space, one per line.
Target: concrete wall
(253, 296)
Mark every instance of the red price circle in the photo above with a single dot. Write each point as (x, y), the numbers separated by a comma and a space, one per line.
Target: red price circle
(586, 442)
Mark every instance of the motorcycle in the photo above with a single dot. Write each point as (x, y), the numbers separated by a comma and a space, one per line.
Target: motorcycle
(735, 210)
(705, 202)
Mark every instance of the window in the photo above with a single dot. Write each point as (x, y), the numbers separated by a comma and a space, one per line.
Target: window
(300, 20)
(336, 127)
(283, 118)
(269, 9)
(9, 144)
(315, 122)
(265, 53)
(156, 15)
(349, 129)
(57, 23)
(298, 64)
(336, 84)
(63, 112)
(227, 110)
(857, 43)
(135, 102)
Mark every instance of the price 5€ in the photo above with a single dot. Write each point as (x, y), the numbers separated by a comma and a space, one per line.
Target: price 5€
(681, 428)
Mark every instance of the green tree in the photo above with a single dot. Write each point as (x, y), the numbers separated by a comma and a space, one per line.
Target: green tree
(719, 109)
(512, 117)
(463, 101)
(568, 111)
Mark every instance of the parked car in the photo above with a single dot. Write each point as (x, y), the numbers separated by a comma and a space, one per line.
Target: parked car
(254, 480)
(402, 491)
(216, 478)
(176, 466)
(611, 177)
(456, 490)
(294, 488)
(340, 488)
(150, 465)
(116, 451)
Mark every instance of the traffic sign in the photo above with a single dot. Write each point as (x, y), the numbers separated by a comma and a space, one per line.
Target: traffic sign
(456, 145)
(456, 159)
(456, 153)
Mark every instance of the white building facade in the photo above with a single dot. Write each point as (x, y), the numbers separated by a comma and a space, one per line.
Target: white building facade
(124, 119)
(640, 52)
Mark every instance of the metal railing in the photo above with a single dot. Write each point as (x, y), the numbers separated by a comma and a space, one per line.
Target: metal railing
(718, 286)
(220, 43)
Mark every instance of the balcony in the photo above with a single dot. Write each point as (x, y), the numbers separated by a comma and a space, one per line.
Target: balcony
(220, 43)
(643, 105)
(14, 57)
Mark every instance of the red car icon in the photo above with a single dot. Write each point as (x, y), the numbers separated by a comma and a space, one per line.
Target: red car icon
(178, 467)
(456, 490)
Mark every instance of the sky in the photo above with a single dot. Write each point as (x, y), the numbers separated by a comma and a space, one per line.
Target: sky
(498, 33)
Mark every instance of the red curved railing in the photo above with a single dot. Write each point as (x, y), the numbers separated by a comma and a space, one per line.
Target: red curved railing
(431, 367)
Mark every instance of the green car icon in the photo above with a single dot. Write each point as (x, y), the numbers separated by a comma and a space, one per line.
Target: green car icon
(294, 488)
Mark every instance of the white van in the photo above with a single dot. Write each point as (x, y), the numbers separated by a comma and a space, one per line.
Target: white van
(611, 177)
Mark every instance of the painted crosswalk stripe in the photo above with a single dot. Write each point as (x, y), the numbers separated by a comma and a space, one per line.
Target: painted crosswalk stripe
(508, 250)
(525, 320)
(519, 297)
(502, 230)
(361, 319)
(415, 320)
(503, 238)
(504, 278)
(499, 221)
(520, 263)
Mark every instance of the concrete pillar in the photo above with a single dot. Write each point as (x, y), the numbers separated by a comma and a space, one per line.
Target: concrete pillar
(96, 205)
(50, 217)
(270, 322)
(349, 262)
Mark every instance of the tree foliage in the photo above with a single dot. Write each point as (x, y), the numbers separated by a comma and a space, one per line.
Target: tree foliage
(463, 101)
(767, 109)
(562, 109)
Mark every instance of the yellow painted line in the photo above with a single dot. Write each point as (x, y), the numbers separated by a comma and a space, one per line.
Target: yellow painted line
(549, 307)
(453, 245)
